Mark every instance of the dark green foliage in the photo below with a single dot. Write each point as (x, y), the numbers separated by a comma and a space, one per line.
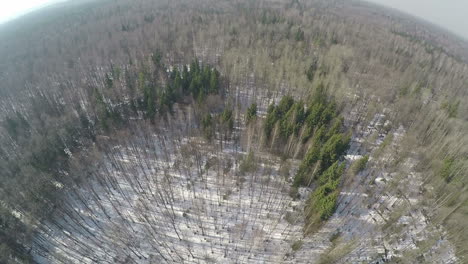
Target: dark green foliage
(292, 121)
(149, 18)
(320, 95)
(333, 149)
(214, 82)
(185, 80)
(207, 127)
(312, 69)
(299, 115)
(16, 126)
(245, 47)
(277, 113)
(251, 113)
(333, 173)
(40, 165)
(322, 127)
(115, 72)
(270, 120)
(48, 150)
(296, 245)
(333, 39)
(157, 58)
(292, 117)
(141, 81)
(336, 127)
(404, 91)
(106, 114)
(233, 32)
(11, 230)
(109, 81)
(305, 173)
(165, 102)
(448, 169)
(322, 203)
(45, 150)
(150, 101)
(294, 192)
(451, 108)
(299, 35)
(176, 84)
(199, 82)
(315, 114)
(227, 119)
(284, 105)
(130, 78)
(360, 164)
(329, 114)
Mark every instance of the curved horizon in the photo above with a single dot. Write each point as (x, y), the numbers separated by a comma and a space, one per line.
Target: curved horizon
(450, 15)
(14, 9)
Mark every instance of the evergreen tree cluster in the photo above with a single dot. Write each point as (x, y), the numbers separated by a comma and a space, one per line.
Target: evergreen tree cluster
(251, 113)
(449, 169)
(196, 81)
(223, 121)
(318, 125)
(318, 119)
(199, 81)
(322, 201)
(299, 35)
(57, 134)
(312, 69)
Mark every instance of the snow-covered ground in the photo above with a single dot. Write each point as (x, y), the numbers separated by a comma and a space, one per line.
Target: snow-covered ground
(170, 197)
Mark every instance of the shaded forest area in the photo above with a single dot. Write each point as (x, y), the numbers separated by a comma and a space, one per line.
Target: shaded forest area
(308, 74)
(42, 174)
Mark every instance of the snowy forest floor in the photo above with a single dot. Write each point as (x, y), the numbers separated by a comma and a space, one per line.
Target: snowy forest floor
(171, 197)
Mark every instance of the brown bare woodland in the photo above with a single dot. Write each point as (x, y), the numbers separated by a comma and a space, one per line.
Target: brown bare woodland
(100, 164)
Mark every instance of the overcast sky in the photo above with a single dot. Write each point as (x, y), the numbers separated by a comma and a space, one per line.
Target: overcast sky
(10, 9)
(451, 14)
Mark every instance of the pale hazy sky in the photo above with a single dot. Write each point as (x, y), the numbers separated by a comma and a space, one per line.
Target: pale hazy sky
(451, 14)
(10, 9)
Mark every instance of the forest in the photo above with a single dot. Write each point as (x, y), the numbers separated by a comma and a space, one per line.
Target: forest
(231, 131)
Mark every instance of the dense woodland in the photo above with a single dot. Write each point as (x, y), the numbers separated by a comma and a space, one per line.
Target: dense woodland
(238, 90)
